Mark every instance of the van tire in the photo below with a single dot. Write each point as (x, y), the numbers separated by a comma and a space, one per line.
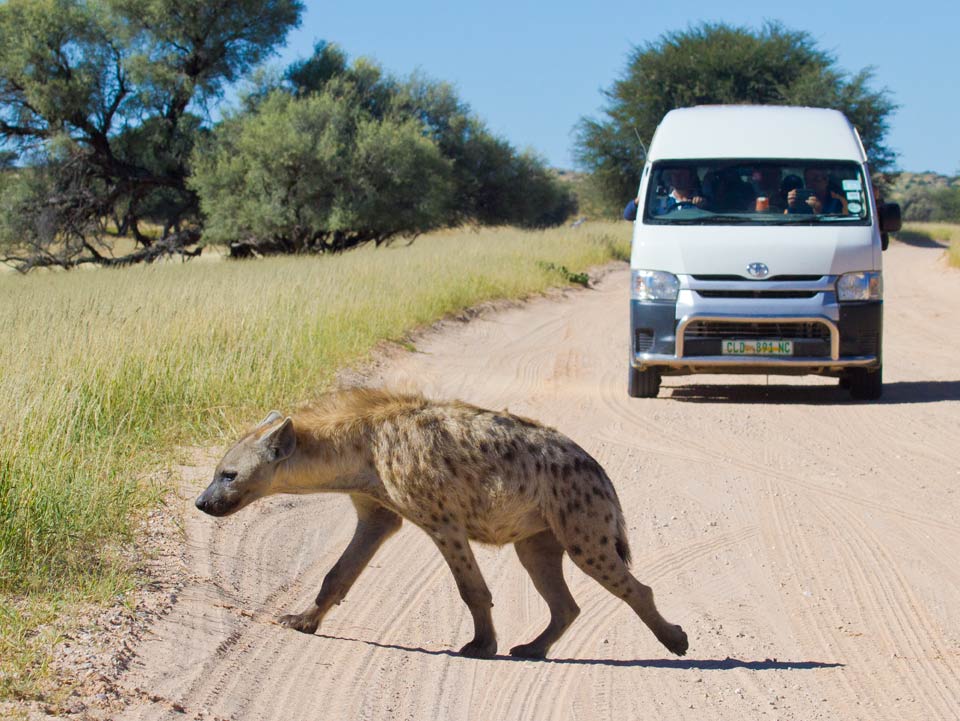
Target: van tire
(866, 385)
(643, 383)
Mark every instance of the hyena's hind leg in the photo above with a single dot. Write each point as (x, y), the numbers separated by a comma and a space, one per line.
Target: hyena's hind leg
(542, 556)
(374, 525)
(602, 561)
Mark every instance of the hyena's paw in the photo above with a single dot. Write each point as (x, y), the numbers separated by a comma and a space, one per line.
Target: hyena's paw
(479, 649)
(528, 650)
(303, 622)
(674, 638)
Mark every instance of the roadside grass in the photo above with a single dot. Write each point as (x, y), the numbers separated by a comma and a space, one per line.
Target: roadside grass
(945, 234)
(104, 373)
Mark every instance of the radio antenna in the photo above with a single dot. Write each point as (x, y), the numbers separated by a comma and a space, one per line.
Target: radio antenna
(640, 140)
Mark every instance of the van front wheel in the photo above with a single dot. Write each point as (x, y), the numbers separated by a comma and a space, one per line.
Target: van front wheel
(643, 384)
(865, 385)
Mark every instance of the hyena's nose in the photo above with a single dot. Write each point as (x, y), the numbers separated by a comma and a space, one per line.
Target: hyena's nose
(201, 502)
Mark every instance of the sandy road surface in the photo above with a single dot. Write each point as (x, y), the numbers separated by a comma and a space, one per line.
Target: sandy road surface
(809, 545)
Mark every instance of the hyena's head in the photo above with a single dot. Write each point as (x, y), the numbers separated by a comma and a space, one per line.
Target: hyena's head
(246, 471)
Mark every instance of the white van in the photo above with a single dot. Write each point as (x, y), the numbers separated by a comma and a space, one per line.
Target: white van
(757, 249)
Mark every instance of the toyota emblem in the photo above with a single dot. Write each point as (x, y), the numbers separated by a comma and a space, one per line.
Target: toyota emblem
(758, 270)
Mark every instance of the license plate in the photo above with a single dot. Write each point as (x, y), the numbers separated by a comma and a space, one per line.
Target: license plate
(757, 347)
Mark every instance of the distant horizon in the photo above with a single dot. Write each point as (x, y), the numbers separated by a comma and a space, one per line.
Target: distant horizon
(532, 70)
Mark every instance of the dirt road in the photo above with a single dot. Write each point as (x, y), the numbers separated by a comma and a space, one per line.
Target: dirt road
(808, 544)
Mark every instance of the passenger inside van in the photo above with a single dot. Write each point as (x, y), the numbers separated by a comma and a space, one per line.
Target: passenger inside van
(684, 188)
(728, 192)
(766, 185)
(820, 195)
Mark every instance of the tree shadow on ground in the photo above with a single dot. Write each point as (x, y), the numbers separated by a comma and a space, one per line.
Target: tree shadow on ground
(895, 393)
(725, 664)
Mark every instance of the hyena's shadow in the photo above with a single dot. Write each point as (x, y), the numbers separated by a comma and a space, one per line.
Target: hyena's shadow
(707, 664)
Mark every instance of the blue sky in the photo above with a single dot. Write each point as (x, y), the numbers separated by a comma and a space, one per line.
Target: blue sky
(531, 70)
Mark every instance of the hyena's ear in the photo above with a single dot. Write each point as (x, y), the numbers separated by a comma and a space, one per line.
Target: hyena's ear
(281, 441)
(272, 417)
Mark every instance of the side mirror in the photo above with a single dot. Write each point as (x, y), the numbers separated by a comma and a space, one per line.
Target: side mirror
(889, 218)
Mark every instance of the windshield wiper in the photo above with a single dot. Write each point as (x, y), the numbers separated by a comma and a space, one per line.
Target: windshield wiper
(727, 219)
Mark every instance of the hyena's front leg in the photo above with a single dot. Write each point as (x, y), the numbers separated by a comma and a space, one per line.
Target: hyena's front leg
(374, 525)
(474, 592)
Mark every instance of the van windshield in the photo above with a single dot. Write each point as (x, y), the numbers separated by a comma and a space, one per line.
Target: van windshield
(756, 192)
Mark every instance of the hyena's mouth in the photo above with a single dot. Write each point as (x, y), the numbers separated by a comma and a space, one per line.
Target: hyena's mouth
(219, 507)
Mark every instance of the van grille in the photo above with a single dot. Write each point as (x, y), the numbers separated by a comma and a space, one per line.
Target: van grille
(708, 330)
(780, 278)
(757, 293)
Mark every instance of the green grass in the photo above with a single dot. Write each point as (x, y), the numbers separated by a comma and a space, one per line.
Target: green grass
(945, 234)
(105, 372)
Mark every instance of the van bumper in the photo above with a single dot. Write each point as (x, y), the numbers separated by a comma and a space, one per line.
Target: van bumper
(828, 337)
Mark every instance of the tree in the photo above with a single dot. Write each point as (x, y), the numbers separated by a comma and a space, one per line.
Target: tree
(718, 63)
(96, 98)
(493, 184)
(317, 174)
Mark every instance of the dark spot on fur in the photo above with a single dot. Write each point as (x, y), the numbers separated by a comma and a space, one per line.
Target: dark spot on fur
(554, 470)
(589, 561)
(598, 492)
(608, 517)
(484, 447)
(605, 577)
(567, 472)
(435, 518)
(457, 545)
(445, 518)
(554, 489)
(563, 518)
(575, 550)
(442, 542)
(521, 488)
(603, 540)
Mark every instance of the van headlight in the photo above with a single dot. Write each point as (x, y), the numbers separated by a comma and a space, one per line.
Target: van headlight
(654, 285)
(862, 285)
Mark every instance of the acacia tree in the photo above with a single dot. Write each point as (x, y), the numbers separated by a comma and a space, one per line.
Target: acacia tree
(718, 63)
(493, 183)
(316, 174)
(96, 100)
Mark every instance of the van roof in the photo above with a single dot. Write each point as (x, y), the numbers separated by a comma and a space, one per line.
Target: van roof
(755, 131)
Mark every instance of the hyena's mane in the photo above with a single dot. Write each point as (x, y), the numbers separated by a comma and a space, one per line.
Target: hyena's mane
(343, 413)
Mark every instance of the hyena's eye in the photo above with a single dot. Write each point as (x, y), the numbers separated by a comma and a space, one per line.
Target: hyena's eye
(228, 476)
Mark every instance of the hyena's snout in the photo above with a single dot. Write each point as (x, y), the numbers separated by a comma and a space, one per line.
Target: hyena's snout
(208, 504)
(215, 502)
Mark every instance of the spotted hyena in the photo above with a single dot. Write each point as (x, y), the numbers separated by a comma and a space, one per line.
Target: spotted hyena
(460, 473)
